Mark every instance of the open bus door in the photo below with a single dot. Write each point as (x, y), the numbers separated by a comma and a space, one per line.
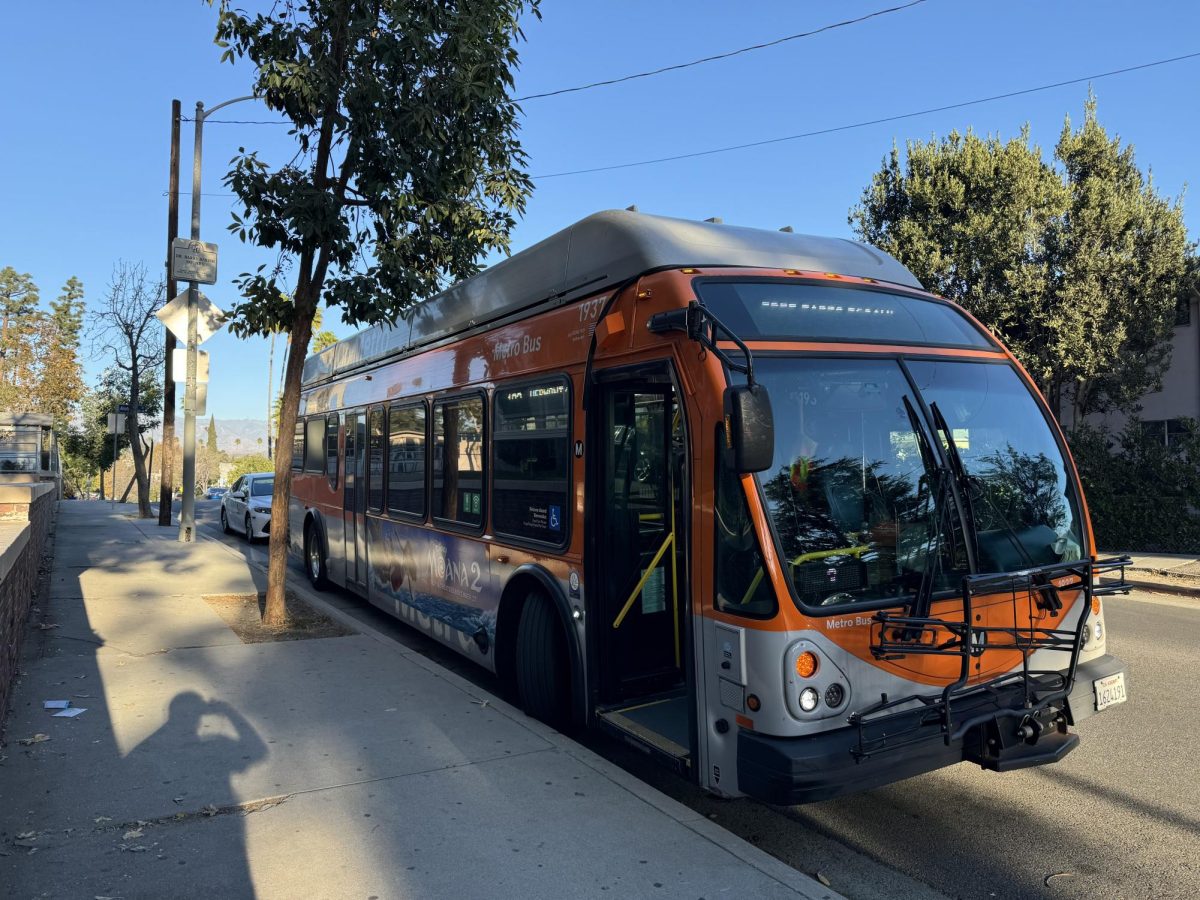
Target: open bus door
(641, 627)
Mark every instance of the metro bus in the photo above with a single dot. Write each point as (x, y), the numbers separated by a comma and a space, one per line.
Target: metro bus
(754, 501)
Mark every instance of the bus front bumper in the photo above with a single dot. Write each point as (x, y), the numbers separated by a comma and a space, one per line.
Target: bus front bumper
(816, 767)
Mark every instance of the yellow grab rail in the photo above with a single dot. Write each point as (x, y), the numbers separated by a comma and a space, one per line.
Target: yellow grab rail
(642, 581)
(800, 560)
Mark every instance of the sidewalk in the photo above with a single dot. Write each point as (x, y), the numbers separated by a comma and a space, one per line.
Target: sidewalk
(329, 767)
(1172, 572)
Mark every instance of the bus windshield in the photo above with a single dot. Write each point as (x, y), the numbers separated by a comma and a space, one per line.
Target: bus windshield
(863, 507)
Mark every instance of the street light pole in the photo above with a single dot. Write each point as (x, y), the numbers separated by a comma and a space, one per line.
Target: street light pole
(187, 516)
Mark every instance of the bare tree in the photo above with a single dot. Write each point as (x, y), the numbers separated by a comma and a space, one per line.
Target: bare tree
(124, 329)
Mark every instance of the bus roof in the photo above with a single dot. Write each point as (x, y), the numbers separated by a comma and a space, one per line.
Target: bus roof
(599, 252)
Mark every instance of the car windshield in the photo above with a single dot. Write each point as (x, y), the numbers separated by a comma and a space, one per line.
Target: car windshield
(262, 487)
(862, 503)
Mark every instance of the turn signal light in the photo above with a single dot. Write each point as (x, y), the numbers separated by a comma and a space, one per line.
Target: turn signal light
(1095, 606)
(806, 664)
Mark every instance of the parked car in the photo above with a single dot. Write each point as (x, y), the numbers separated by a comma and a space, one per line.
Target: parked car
(215, 493)
(246, 506)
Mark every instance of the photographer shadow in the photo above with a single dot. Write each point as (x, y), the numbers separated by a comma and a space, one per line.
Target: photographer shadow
(194, 755)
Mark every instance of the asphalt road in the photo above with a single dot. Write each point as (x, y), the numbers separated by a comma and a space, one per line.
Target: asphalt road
(1119, 817)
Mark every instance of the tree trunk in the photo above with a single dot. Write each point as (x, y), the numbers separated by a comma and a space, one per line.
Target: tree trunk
(275, 611)
(140, 474)
(270, 392)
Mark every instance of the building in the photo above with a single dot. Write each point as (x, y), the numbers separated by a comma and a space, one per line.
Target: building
(29, 449)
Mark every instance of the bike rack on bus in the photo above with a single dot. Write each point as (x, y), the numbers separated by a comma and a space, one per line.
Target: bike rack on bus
(1018, 694)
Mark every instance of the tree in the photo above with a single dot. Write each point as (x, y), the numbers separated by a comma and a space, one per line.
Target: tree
(321, 338)
(212, 433)
(60, 374)
(408, 169)
(18, 315)
(1079, 268)
(251, 462)
(125, 329)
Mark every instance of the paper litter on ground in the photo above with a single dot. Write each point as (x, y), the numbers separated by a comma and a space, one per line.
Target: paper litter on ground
(69, 713)
(55, 704)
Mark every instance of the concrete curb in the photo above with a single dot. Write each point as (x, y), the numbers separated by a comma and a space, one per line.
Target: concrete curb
(1182, 590)
(805, 886)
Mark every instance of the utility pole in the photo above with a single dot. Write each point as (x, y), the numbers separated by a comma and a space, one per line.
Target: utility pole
(166, 488)
(187, 517)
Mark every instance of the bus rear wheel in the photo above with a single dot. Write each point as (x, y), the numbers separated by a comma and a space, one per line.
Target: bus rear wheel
(314, 559)
(543, 674)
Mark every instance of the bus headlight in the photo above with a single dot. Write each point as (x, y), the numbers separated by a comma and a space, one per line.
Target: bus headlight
(811, 675)
(834, 695)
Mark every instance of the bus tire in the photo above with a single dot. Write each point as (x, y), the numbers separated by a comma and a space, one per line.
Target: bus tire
(314, 559)
(543, 673)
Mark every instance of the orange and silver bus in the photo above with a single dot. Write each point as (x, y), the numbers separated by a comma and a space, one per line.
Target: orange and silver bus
(753, 501)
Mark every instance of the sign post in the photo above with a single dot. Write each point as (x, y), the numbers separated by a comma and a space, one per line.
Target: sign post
(195, 262)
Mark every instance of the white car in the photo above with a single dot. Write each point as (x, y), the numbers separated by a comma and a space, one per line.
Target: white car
(246, 507)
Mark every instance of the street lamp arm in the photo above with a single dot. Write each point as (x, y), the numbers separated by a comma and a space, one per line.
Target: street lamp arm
(205, 113)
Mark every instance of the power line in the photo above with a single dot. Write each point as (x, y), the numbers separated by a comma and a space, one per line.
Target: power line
(719, 56)
(896, 118)
(652, 72)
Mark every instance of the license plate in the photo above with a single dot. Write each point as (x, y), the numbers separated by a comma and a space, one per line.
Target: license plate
(1110, 690)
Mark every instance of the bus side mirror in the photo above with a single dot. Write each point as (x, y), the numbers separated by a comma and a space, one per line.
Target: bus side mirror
(749, 428)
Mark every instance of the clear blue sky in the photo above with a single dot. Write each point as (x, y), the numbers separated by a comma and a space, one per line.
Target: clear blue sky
(85, 93)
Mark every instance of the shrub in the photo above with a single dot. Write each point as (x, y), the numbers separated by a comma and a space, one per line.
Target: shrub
(1142, 495)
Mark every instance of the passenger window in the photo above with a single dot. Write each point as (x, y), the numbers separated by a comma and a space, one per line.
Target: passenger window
(531, 452)
(743, 586)
(458, 455)
(406, 460)
(298, 446)
(331, 450)
(375, 441)
(314, 430)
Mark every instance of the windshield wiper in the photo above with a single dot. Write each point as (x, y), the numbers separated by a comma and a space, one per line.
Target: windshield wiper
(961, 479)
(923, 601)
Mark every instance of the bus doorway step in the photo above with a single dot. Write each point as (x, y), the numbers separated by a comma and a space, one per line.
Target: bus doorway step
(657, 727)
(1003, 746)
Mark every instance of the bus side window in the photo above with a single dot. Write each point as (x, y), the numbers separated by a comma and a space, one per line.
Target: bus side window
(458, 456)
(314, 444)
(298, 446)
(375, 467)
(331, 450)
(531, 453)
(743, 585)
(406, 460)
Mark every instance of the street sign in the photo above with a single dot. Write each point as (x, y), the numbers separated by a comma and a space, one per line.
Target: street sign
(202, 399)
(122, 407)
(116, 421)
(193, 261)
(179, 366)
(210, 318)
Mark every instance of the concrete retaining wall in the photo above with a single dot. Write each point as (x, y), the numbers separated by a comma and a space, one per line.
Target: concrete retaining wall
(26, 511)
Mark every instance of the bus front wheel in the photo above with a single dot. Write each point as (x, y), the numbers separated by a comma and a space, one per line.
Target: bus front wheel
(314, 559)
(543, 676)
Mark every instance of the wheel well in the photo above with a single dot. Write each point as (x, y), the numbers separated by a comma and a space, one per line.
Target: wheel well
(520, 586)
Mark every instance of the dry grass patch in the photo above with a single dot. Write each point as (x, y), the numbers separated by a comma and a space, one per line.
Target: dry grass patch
(243, 614)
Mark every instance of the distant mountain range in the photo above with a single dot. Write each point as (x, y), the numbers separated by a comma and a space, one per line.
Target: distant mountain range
(234, 436)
